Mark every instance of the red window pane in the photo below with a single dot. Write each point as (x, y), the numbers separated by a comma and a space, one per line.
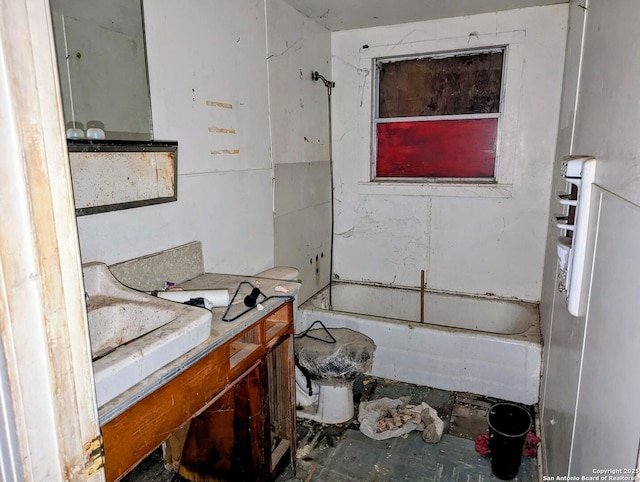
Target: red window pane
(448, 148)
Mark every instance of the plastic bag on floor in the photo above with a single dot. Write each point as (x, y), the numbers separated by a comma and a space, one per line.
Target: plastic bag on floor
(387, 418)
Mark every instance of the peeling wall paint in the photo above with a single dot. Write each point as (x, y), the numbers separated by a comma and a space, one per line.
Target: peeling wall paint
(466, 241)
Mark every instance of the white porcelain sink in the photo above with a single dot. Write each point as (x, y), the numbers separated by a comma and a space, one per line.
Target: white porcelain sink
(133, 334)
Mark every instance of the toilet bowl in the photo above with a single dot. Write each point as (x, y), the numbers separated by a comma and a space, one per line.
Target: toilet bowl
(331, 360)
(325, 372)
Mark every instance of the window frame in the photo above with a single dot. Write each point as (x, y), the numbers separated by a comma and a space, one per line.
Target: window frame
(506, 148)
(376, 119)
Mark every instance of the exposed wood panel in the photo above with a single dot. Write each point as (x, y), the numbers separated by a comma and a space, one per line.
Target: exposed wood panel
(174, 446)
(460, 148)
(281, 419)
(460, 84)
(226, 442)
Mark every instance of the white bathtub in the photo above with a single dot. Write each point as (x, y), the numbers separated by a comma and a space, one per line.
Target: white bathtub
(472, 344)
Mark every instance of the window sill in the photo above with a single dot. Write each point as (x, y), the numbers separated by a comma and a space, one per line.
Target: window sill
(450, 189)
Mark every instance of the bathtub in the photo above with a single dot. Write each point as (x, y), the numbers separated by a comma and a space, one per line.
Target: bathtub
(474, 344)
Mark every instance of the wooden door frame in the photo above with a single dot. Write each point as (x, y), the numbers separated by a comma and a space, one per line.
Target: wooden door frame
(47, 396)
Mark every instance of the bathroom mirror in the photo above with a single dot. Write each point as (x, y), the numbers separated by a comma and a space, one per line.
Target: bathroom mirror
(101, 59)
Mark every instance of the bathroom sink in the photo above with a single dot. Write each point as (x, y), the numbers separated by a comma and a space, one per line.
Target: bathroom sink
(133, 334)
(115, 321)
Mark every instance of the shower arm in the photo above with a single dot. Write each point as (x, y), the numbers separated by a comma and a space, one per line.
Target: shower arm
(327, 83)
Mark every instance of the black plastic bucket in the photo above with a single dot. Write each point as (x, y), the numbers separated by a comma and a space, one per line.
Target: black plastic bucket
(509, 425)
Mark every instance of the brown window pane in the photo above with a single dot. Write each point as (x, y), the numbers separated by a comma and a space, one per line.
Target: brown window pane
(461, 84)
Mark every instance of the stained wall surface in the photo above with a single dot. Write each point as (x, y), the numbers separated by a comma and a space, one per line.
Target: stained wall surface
(300, 144)
(469, 238)
(209, 91)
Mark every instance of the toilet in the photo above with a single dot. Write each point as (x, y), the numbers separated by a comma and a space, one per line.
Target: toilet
(283, 273)
(327, 363)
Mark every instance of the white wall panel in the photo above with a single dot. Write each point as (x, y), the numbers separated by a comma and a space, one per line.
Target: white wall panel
(224, 211)
(590, 385)
(562, 333)
(300, 142)
(607, 426)
(208, 80)
(307, 250)
(608, 114)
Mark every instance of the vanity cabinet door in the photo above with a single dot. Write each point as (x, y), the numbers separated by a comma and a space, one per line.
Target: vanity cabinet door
(282, 410)
(227, 440)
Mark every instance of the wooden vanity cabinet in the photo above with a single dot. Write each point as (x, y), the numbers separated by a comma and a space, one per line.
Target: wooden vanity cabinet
(230, 416)
(227, 441)
(248, 432)
(282, 406)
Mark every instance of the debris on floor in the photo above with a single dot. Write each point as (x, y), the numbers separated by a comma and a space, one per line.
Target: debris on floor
(386, 418)
(530, 448)
(341, 452)
(482, 445)
(328, 453)
(433, 425)
(468, 414)
(531, 445)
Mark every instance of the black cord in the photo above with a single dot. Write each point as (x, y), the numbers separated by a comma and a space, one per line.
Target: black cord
(251, 301)
(306, 334)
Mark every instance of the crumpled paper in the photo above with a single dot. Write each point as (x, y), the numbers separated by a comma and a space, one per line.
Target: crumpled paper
(371, 412)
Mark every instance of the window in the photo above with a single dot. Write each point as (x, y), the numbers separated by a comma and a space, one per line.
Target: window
(438, 116)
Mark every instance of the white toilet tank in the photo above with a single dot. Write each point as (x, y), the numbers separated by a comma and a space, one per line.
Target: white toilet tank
(284, 273)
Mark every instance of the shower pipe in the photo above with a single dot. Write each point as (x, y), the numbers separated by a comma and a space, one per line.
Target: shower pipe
(315, 76)
(421, 296)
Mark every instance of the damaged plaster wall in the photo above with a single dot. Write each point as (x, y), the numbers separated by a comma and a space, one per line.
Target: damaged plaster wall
(468, 239)
(300, 144)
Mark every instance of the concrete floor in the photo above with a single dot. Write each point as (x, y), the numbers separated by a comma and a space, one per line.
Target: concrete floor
(336, 453)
